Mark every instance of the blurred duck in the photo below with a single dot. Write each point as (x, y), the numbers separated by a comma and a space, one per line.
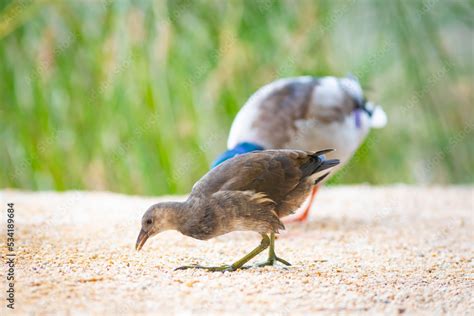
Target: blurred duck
(305, 113)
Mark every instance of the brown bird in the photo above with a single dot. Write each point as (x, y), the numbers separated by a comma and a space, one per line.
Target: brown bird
(249, 192)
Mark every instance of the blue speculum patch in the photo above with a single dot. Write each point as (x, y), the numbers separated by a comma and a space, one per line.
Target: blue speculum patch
(241, 148)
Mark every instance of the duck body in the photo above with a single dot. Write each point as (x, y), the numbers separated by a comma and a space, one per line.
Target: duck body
(305, 113)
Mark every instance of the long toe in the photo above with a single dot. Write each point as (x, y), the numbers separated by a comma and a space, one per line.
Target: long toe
(273, 262)
(286, 263)
(222, 268)
(193, 266)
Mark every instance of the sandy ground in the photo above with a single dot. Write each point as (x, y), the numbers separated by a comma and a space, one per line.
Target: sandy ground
(392, 250)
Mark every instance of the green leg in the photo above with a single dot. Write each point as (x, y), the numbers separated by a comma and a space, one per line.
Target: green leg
(272, 257)
(239, 263)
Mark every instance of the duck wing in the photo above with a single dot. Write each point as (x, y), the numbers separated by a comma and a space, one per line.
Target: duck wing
(270, 117)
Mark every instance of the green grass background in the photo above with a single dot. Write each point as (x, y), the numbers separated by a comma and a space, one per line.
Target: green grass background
(138, 96)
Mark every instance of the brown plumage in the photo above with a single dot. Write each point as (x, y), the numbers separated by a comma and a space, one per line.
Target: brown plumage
(249, 192)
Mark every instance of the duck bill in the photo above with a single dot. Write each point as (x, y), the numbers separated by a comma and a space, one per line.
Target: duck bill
(142, 237)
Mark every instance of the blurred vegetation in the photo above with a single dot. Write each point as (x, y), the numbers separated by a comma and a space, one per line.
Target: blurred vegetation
(138, 96)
